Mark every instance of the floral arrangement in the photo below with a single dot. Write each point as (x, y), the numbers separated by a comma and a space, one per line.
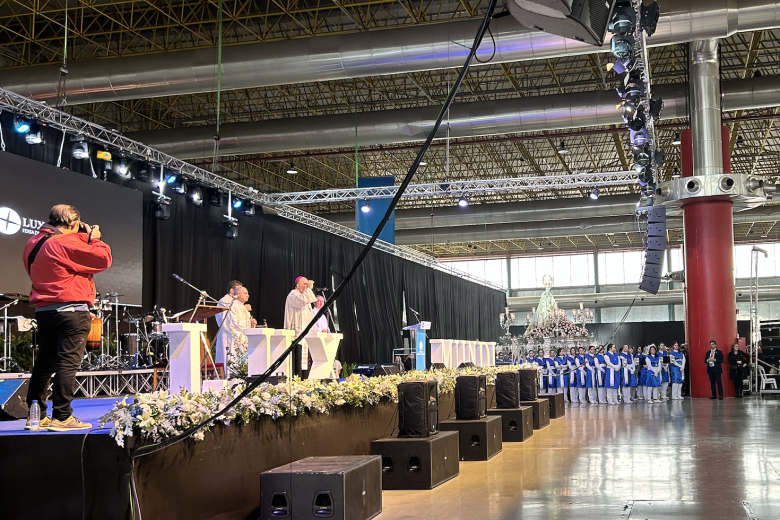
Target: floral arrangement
(565, 328)
(159, 415)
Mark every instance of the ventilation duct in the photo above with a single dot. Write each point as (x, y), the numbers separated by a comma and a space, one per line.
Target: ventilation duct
(353, 55)
(528, 114)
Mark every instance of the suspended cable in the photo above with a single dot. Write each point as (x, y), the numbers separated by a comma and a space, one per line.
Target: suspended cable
(61, 99)
(215, 162)
(153, 448)
(62, 145)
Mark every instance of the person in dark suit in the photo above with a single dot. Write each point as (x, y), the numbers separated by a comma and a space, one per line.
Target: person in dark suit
(738, 368)
(714, 360)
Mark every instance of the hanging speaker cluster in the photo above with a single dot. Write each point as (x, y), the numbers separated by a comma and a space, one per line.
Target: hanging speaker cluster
(655, 246)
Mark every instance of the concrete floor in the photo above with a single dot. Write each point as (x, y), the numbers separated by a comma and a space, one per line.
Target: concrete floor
(697, 459)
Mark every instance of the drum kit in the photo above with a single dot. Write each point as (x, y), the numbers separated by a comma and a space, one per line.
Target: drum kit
(145, 347)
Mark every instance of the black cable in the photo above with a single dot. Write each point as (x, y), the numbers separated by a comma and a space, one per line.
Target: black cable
(153, 448)
(494, 49)
(83, 477)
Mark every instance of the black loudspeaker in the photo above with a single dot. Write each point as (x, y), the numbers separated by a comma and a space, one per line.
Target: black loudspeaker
(418, 463)
(366, 370)
(541, 410)
(467, 364)
(584, 20)
(654, 251)
(470, 397)
(557, 405)
(517, 424)
(508, 389)
(272, 380)
(437, 366)
(479, 439)
(418, 409)
(339, 488)
(13, 393)
(386, 370)
(529, 384)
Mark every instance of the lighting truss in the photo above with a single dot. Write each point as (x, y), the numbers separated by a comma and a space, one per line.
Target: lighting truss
(459, 188)
(640, 49)
(67, 123)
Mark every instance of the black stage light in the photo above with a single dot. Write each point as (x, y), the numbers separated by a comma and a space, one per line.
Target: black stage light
(639, 137)
(676, 141)
(594, 194)
(146, 173)
(622, 47)
(216, 198)
(34, 135)
(80, 150)
(639, 120)
(123, 170)
(656, 107)
(197, 196)
(623, 19)
(650, 15)
(22, 125)
(230, 229)
(162, 209)
(463, 202)
(660, 156)
(248, 208)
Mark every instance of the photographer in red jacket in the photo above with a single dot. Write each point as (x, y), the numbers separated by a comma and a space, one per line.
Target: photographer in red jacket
(61, 260)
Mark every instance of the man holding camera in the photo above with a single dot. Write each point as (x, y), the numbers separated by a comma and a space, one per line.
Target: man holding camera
(61, 261)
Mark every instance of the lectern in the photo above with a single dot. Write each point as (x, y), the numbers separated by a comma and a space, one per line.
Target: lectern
(322, 347)
(264, 346)
(417, 338)
(184, 355)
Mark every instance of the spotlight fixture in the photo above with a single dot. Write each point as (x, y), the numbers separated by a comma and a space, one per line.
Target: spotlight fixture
(623, 19)
(365, 207)
(650, 15)
(230, 227)
(237, 203)
(216, 198)
(291, 170)
(162, 208)
(80, 150)
(463, 202)
(562, 149)
(676, 141)
(639, 120)
(123, 170)
(34, 135)
(146, 173)
(248, 208)
(622, 47)
(177, 183)
(594, 194)
(740, 140)
(197, 196)
(639, 138)
(22, 125)
(629, 109)
(656, 107)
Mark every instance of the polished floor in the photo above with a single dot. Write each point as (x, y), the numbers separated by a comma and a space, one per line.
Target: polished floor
(687, 460)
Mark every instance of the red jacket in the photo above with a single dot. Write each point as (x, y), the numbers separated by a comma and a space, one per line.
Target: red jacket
(62, 271)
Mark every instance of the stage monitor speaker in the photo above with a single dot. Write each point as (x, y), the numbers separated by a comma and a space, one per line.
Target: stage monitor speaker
(583, 20)
(656, 243)
(470, 397)
(650, 284)
(366, 370)
(467, 364)
(654, 257)
(386, 369)
(418, 409)
(437, 366)
(529, 384)
(508, 389)
(13, 395)
(656, 214)
(346, 486)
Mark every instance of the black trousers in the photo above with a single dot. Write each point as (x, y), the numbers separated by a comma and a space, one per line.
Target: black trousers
(716, 379)
(738, 386)
(62, 340)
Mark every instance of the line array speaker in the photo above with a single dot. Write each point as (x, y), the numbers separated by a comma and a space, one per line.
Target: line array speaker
(654, 249)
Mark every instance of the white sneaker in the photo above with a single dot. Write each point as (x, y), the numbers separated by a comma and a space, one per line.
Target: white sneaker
(650, 401)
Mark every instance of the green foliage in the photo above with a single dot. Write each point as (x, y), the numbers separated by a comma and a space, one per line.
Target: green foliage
(21, 351)
(347, 369)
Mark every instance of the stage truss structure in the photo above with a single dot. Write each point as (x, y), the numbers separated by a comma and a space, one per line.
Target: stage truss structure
(112, 383)
(69, 124)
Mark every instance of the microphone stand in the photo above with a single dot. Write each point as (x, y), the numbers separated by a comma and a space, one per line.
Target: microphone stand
(202, 299)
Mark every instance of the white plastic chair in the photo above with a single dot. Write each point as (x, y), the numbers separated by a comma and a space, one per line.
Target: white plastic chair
(766, 381)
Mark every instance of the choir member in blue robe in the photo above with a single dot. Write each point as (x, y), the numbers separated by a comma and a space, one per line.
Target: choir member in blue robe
(627, 374)
(582, 375)
(561, 380)
(653, 380)
(642, 375)
(598, 361)
(677, 371)
(591, 382)
(612, 376)
(664, 355)
(550, 371)
(571, 367)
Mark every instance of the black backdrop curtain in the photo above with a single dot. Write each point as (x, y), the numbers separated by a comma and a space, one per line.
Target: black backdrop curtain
(271, 251)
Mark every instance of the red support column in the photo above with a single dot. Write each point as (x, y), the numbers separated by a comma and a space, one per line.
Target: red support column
(711, 309)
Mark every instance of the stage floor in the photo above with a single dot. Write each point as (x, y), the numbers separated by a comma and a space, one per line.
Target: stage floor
(88, 410)
(697, 459)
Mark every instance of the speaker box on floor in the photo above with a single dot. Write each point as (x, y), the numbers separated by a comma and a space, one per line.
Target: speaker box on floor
(529, 384)
(272, 380)
(13, 393)
(418, 408)
(508, 389)
(467, 364)
(366, 369)
(339, 488)
(386, 369)
(557, 405)
(470, 397)
(437, 366)
(517, 424)
(479, 439)
(417, 463)
(541, 410)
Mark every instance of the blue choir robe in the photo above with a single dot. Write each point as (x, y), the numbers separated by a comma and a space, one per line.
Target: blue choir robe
(551, 380)
(561, 378)
(628, 372)
(677, 366)
(642, 370)
(590, 379)
(665, 367)
(653, 364)
(598, 362)
(571, 366)
(612, 376)
(582, 372)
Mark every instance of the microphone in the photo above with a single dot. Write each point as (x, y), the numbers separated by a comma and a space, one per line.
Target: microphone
(414, 311)
(178, 278)
(321, 289)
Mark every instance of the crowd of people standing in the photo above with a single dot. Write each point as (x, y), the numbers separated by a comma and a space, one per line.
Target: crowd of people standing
(604, 375)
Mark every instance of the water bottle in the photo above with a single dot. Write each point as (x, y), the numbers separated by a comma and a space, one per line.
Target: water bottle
(35, 417)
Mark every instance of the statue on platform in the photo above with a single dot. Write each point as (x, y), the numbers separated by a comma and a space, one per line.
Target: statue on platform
(545, 312)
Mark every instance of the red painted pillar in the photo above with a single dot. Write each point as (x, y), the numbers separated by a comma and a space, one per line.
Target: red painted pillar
(711, 309)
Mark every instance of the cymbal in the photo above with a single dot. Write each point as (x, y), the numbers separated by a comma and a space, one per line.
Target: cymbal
(133, 319)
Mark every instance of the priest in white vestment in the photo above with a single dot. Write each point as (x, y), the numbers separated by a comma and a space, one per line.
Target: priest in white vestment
(231, 341)
(297, 315)
(322, 323)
